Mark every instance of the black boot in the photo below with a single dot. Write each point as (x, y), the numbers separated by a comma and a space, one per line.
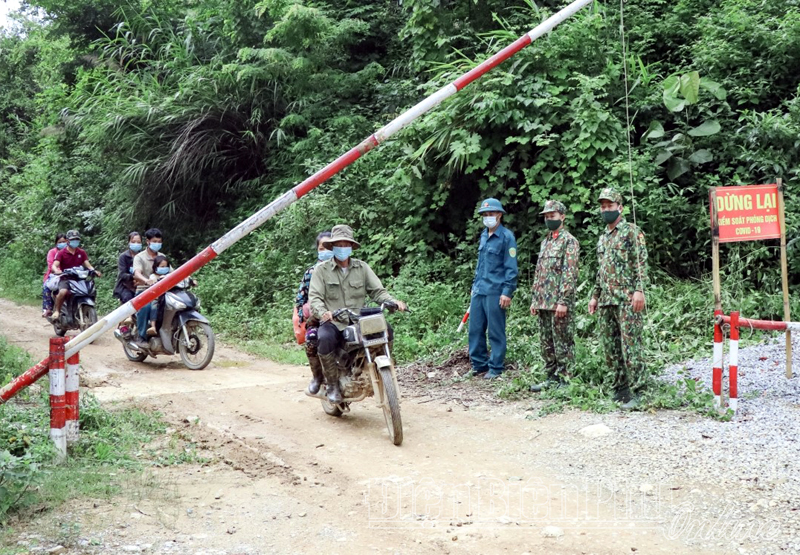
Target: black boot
(317, 376)
(330, 368)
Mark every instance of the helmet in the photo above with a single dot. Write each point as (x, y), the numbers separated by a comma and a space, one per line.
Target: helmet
(73, 234)
(491, 205)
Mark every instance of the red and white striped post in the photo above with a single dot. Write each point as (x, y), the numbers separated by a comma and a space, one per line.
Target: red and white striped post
(733, 364)
(58, 396)
(716, 380)
(72, 398)
(255, 221)
(463, 320)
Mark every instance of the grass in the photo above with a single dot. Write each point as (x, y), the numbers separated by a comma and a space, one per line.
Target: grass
(113, 451)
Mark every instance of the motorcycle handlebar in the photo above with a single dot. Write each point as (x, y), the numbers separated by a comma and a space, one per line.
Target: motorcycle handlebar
(389, 306)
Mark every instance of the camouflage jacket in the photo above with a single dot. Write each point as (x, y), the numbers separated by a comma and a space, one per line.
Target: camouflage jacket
(556, 271)
(622, 268)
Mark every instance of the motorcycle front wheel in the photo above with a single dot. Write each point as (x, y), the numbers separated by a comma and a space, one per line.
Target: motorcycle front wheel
(200, 350)
(391, 407)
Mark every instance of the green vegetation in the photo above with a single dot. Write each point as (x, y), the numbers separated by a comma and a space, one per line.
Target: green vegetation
(109, 457)
(190, 115)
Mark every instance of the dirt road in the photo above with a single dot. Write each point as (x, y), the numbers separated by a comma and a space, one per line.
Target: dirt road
(289, 479)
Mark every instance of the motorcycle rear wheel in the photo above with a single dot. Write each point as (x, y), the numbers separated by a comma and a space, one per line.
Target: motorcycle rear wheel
(134, 356)
(89, 316)
(199, 332)
(331, 409)
(391, 407)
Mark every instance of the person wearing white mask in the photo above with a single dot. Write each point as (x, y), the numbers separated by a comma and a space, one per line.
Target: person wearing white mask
(125, 288)
(492, 290)
(311, 322)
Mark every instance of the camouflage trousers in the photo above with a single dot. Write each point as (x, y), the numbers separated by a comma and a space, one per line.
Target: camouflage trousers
(557, 336)
(621, 335)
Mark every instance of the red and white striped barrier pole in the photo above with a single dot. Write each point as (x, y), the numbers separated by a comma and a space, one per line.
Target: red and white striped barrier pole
(733, 364)
(768, 325)
(255, 221)
(716, 380)
(58, 396)
(72, 398)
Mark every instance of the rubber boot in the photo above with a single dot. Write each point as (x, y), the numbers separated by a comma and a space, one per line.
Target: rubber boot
(330, 368)
(317, 377)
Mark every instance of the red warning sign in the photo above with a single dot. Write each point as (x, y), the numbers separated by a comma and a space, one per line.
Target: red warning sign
(745, 213)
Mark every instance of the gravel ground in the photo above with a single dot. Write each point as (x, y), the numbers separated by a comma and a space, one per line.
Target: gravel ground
(733, 485)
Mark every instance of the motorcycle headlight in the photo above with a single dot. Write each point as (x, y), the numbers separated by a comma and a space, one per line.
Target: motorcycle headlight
(174, 302)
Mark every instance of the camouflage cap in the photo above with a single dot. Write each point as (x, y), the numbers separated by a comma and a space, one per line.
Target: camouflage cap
(609, 193)
(554, 206)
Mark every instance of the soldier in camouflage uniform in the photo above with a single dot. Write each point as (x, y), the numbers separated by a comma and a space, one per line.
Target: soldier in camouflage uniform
(619, 296)
(554, 296)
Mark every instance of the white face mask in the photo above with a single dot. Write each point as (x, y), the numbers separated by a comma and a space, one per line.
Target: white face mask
(490, 221)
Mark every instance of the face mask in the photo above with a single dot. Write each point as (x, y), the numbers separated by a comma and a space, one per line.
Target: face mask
(610, 216)
(130, 269)
(342, 253)
(162, 270)
(60, 246)
(552, 225)
(74, 243)
(135, 247)
(325, 255)
(490, 221)
(155, 247)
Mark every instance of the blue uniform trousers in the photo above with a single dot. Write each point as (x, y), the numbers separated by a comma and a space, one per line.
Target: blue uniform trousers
(485, 312)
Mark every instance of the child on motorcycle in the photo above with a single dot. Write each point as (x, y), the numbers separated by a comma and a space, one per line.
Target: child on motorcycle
(161, 268)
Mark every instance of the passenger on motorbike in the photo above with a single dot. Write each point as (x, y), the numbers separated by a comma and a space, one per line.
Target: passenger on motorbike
(312, 323)
(49, 284)
(342, 282)
(125, 288)
(161, 268)
(69, 257)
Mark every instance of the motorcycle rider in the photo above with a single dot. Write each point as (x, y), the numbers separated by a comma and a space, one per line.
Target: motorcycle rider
(142, 270)
(342, 282)
(70, 257)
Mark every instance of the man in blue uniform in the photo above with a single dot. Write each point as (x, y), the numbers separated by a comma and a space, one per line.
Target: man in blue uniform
(492, 289)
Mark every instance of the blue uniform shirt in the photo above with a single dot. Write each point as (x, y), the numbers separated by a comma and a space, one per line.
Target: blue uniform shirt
(496, 273)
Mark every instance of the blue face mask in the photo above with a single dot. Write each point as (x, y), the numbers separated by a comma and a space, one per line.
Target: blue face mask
(74, 243)
(325, 255)
(135, 247)
(61, 246)
(342, 253)
(162, 270)
(130, 269)
(490, 221)
(155, 247)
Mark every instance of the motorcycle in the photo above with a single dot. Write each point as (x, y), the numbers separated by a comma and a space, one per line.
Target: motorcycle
(183, 330)
(366, 368)
(78, 310)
